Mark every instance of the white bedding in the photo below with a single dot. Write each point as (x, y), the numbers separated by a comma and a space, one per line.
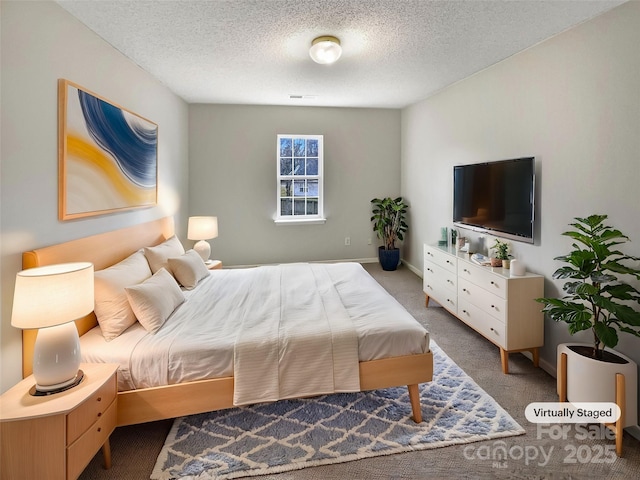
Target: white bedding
(198, 340)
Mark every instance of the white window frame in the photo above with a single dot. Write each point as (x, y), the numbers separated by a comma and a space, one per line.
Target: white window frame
(305, 219)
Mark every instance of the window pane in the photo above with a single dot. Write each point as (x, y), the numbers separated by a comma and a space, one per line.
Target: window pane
(285, 166)
(299, 206)
(312, 188)
(286, 206)
(298, 147)
(299, 187)
(312, 148)
(298, 166)
(285, 188)
(312, 166)
(285, 147)
(312, 206)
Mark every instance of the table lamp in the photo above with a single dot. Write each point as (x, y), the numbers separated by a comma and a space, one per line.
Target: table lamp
(50, 298)
(202, 229)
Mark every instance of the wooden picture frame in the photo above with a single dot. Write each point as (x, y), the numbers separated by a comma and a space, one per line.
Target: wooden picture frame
(108, 155)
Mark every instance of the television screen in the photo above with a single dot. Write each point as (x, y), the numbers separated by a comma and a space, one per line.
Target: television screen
(496, 197)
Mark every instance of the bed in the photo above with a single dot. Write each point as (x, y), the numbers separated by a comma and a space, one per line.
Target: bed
(183, 394)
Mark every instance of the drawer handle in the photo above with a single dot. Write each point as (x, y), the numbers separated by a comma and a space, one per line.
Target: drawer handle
(99, 399)
(99, 414)
(429, 270)
(494, 331)
(430, 254)
(493, 306)
(465, 270)
(449, 262)
(449, 300)
(449, 281)
(464, 289)
(99, 429)
(464, 311)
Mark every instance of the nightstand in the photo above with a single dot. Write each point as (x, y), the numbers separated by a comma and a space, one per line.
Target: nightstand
(214, 264)
(55, 437)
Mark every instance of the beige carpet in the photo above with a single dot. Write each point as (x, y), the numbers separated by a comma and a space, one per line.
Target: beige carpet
(135, 448)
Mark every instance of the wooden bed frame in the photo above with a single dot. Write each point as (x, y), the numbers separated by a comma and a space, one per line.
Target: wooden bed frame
(157, 403)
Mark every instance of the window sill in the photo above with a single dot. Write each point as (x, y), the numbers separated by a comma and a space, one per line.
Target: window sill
(301, 221)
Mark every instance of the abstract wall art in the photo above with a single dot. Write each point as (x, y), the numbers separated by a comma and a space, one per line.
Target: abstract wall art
(108, 156)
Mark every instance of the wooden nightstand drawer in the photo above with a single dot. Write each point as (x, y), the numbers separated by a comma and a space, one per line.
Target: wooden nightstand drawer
(90, 411)
(55, 436)
(80, 453)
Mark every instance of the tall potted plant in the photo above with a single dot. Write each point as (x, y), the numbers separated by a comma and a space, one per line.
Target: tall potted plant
(390, 226)
(598, 299)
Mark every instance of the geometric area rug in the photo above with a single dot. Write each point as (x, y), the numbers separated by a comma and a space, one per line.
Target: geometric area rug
(293, 434)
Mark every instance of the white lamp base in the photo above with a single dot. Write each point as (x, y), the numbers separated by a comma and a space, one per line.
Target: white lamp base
(204, 249)
(56, 357)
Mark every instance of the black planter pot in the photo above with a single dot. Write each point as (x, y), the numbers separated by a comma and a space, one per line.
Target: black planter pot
(389, 259)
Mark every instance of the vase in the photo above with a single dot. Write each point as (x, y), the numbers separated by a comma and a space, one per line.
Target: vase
(389, 259)
(506, 264)
(496, 262)
(592, 380)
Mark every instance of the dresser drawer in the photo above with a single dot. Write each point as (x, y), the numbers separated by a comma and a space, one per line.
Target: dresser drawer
(488, 326)
(440, 258)
(440, 277)
(80, 419)
(445, 297)
(481, 276)
(80, 452)
(490, 303)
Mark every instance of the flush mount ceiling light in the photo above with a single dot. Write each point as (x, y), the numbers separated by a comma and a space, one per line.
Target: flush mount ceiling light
(325, 50)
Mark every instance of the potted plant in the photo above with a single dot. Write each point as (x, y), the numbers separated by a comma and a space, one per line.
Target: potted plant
(597, 299)
(501, 254)
(389, 224)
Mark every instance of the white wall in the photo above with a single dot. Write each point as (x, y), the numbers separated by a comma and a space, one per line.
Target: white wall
(233, 175)
(41, 43)
(574, 103)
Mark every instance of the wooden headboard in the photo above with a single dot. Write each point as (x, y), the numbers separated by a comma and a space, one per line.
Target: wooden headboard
(103, 250)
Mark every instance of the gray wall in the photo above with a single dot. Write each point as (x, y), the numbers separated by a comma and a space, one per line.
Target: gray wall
(233, 175)
(574, 103)
(40, 43)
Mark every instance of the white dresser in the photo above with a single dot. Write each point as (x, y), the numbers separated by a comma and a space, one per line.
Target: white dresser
(499, 307)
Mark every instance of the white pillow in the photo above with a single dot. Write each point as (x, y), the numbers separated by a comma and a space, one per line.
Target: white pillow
(157, 256)
(155, 299)
(112, 308)
(188, 269)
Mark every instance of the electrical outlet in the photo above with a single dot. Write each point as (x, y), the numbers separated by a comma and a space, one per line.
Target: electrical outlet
(347, 240)
(369, 241)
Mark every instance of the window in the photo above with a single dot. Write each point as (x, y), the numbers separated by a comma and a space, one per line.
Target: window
(300, 164)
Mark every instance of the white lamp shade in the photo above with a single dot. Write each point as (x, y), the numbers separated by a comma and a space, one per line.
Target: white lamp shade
(325, 50)
(50, 298)
(52, 295)
(202, 228)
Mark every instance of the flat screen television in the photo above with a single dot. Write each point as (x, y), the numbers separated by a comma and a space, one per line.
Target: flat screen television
(496, 198)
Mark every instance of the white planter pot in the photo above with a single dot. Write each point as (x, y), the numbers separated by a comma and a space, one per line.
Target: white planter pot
(590, 380)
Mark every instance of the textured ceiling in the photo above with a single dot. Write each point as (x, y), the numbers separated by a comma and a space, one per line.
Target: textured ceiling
(395, 52)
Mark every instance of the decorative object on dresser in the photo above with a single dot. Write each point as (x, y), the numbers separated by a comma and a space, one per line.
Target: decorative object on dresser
(597, 299)
(202, 229)
(389, 224)
(50, 299)
(501, 254)
(499, 307)
(55, 437)
(108, 156)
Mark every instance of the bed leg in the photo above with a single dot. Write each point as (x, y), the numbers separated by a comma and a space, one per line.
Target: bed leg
(414, 397)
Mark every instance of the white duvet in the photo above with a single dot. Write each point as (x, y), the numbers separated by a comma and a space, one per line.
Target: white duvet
(282, 331)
